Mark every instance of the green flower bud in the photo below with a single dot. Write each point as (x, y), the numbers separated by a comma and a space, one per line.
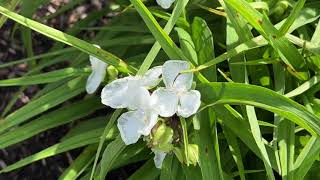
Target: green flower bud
(193, 154)
(162, 138)
(112, 72)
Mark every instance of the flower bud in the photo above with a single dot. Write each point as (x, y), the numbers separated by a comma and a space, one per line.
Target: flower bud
(112, 73)
(193, 154)
(162, 138)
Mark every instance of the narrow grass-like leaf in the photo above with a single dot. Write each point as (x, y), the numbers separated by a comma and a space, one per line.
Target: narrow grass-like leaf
(110, 155)
(161, 36)
(70, 40)
(54, 53)
(53, 119)
(52, 99)
(207, 155)
(185, 139)
(316, 35)
(187, 45)
(240, 127)
(304, 87)
(288, 53)
(255, 129)
(44, 78)
(80, 163)
(147, 172)
(113, 118)
(306, 158)
(203, 43)
(235, 150)
(89, 137)
(11, 5)
(293, 15)
(235, 93)
(179, 7)
(134, 153)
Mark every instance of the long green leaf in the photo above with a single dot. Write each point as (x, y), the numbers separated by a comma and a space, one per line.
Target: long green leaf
(55, 118)
(235, 93)
(67, 39)
(49, 77)
(161, 36)
(179, 7)
(80, 163)
(52, 99)
(89, 137)
(110, 154)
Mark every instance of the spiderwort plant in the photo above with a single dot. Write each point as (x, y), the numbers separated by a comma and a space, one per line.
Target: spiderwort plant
(144, 108)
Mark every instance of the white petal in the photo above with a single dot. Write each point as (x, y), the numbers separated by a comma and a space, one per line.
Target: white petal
(115, 94)
(129, 125)
(189, 103)
(165, 102)
(158, 158)
(165, 4)
(150, 121)
(137, 97)
(98, 73)
(183, 82)
(152, 77)
(172, 78)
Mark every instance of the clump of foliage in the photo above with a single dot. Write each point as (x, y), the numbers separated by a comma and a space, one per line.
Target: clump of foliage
(255, 66)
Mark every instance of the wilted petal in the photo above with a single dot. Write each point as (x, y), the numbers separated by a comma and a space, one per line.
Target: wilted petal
(171, 76)
(189, 103)
(165, 4)
(97, 75)
(150, 120)
(129, 125)
(115, 93)
(165, 102)
(158, 158)
(152, 77)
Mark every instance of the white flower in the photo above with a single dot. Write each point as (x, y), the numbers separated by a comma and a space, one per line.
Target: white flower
(133, 124)
(132, 93)
(177, 97)
(158, 158)
(165, 4)
(98, 73)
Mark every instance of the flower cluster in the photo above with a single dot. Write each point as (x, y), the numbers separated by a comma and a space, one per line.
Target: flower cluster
(144, 108)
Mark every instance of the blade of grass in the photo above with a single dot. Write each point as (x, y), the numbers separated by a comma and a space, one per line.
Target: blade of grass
(304, 87)
(160, 35)
(52, 99)
(69, 40)
(185, 139)
(110, 154)
(112, 120)
(293, 15)
(235, 93)
(44, 78)
(147, 172)
(53, 119)
(12, 5)
(83, 139)
(80, 163)
(235, 150)
(167, 29)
